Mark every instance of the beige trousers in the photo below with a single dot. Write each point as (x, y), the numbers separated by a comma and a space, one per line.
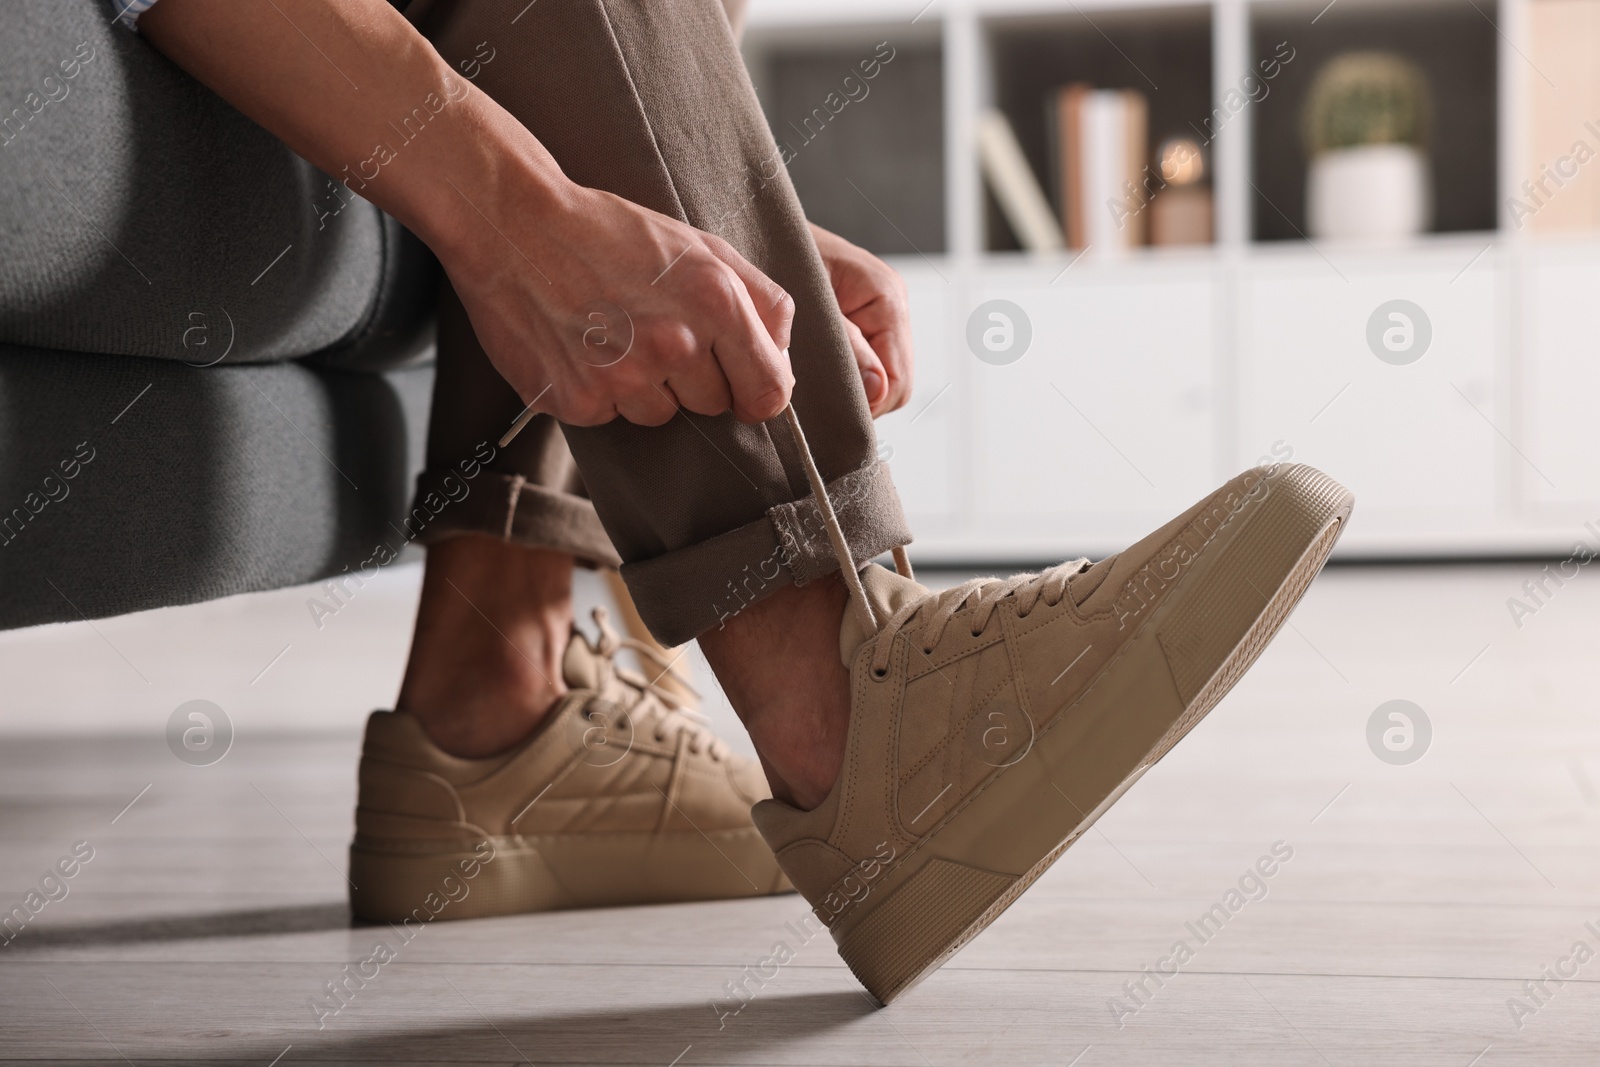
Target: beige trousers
(649, 100)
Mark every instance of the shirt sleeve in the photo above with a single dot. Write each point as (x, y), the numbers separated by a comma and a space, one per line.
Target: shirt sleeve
(128, 11)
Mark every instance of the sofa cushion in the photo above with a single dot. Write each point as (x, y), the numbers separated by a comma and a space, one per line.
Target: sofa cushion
(129, 484)
(140, 215)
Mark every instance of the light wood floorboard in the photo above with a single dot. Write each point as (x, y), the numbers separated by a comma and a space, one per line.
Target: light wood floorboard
(1419, 899)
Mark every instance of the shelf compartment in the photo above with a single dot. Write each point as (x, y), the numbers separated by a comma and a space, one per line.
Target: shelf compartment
(1164, 53)
(1456, 47)
(866, 154)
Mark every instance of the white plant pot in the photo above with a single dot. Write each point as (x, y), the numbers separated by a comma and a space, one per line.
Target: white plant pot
(1373, 192)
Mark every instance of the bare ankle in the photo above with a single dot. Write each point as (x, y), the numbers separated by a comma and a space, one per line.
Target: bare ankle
(492, 624)
(778, 662)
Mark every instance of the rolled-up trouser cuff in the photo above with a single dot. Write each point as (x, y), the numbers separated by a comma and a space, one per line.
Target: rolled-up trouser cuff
(684, 593)
(511, 508)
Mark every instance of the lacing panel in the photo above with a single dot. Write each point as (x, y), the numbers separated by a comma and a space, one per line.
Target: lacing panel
(656, 709)
(980, 596)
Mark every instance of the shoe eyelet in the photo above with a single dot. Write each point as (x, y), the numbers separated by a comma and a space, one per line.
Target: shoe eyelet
(877, 675)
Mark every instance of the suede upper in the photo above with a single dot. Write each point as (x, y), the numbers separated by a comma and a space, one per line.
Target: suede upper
(612, 757)
(947, 717)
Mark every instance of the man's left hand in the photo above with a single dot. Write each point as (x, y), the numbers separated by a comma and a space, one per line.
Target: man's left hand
(876, 310)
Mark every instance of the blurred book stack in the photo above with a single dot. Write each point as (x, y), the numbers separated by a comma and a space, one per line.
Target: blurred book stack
(1015, 185)
(1107, 193)
(1100, 150)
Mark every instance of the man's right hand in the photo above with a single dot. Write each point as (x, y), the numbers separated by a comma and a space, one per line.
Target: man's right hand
(534, 257)
(593, 307)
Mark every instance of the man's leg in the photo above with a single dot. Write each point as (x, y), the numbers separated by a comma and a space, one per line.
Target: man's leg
(989, 725)
(496, 605)
(591, 786)
(711, 517)
(485, 663)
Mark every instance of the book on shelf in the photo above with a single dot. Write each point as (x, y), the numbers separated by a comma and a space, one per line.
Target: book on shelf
(1101, 153)
(1015, 186)
(1559, 187)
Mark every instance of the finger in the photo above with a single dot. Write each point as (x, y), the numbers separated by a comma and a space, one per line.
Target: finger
(874, 379)
(773, 306)
(758, 373)
(900, 366)
(597, 413)
(655, 406)
(702, 389)
(886, 322)
(760, 383)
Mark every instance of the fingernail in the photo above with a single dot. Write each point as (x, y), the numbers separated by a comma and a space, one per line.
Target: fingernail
(874, 383)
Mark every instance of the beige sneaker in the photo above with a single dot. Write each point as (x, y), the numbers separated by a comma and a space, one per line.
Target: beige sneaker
(622, 797)
(993, 723)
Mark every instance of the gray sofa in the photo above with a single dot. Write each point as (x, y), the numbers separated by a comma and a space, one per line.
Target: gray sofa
(211, 381)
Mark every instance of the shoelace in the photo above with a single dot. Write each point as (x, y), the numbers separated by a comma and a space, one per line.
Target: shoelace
(656, 707)
(982, 596)
(841, 547)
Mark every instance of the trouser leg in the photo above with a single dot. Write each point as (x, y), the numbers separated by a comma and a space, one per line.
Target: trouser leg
(648, 99)
(529, 492)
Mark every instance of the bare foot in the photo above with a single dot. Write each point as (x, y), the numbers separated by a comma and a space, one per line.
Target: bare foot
(485, 663)
(778, 662)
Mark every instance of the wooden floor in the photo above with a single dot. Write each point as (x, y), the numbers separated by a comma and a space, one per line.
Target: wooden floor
(1417, 903)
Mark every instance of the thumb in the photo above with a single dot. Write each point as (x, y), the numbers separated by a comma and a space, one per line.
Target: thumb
(874, 378)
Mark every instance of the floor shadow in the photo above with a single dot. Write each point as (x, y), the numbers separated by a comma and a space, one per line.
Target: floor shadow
(615, 1034)
(255, 922)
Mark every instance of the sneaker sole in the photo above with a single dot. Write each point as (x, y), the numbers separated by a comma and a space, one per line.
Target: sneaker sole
(558, 872)
(1186, 657)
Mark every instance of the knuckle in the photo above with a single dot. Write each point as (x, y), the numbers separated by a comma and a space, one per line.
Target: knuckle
(679, 345)
(769, 396)
(703, 267)
(655, 338)
(721, 288)
(783, 305)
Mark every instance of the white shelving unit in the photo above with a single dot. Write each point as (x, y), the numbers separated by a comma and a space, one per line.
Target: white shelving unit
(1154, 376)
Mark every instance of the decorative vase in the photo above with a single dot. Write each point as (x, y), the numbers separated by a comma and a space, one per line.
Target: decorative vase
(1366, 125)
(1368, 192)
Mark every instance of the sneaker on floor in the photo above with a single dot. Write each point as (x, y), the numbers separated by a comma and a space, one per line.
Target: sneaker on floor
(993, 723)
(621, 797)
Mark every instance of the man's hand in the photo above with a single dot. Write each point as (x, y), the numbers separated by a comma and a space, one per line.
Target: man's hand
(619, 310)
(876, 310)
(559, 280)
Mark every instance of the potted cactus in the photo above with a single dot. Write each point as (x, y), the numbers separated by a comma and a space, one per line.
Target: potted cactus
(1366, 125)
